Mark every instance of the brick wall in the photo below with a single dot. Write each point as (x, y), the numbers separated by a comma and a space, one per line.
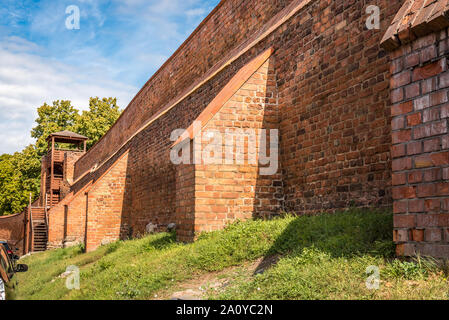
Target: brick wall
(228, 25)
(332, 82)
(185, 201)
(420, 150)
(70, 158)
(11, 229)
(105, 207)
(334, 103)
(67, 222)
(227, 192)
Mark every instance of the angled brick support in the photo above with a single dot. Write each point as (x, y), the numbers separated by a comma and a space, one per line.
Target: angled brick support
(105, 221)
(221, 190)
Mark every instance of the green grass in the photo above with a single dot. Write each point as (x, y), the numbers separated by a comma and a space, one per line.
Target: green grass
(321, 257)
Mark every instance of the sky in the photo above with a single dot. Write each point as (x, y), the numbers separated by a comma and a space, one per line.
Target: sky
(119, 44)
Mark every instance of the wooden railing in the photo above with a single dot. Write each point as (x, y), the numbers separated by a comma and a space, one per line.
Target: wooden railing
(56, 183)
(58, 156)
(31, 230)
(52, 200)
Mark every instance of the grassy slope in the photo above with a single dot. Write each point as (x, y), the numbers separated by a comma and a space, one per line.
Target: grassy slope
(323, 257)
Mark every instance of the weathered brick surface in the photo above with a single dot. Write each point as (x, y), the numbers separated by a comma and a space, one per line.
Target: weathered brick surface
(67, 221)
(414, 20)
(334, 104)
(185, 201)
(227, 192)
(358, 126)
(420, 152)
(70, 158)
(105, 207)
(331, 83)
(11, 229)
(230, 24)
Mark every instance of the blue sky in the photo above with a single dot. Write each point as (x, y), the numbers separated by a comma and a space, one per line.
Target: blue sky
(119, 45)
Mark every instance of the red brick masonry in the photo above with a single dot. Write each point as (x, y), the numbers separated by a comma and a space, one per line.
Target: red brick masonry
(348, 113)
(12, 230)
(325, 88)
(420, 140)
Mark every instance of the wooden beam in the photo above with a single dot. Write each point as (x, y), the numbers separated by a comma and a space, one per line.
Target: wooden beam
(52, 169)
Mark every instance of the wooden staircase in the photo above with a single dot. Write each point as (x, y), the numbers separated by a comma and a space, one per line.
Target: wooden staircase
(39, 229)
(54, 200)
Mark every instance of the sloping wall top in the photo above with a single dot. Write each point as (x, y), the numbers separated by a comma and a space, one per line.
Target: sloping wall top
(228, 91)
(415, 19)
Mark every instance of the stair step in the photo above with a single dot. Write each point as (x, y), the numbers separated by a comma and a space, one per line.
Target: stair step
(40, 228)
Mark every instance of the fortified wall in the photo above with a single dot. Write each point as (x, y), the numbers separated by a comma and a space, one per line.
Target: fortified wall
(310, 69)
(356, 117)
(12, 229)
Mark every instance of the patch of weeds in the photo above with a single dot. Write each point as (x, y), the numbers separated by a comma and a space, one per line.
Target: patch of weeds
(104, 264)
(128, 291)
(383, 248)
(445, 268)
(311, 255)
(112, 247)
(77, 250)
(417, 269)
(321, 257)
(159, 242)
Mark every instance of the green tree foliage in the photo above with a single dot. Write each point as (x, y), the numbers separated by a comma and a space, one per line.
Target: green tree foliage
(20, 172)
(95, 122)
(58, 117)
(19, 176)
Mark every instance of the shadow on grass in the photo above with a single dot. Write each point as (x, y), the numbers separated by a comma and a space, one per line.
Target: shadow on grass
(163, 240)
(342, 234)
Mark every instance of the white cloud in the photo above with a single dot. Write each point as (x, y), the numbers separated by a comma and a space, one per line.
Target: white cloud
(27, 80)
(121, 42)
(198, 12)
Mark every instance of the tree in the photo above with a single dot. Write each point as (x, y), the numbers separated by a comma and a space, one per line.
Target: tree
(7, 189)
(20, 172)
(58, 117)
(19, 176)
(95, 122)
